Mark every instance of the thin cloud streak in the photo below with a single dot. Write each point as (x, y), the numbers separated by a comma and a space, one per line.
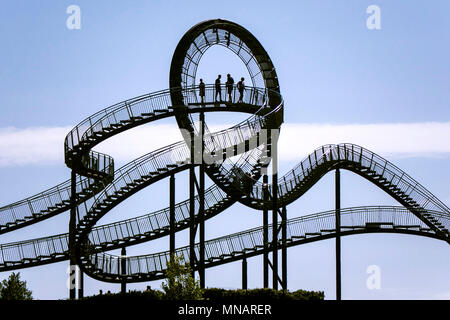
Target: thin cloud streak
(32, 146)
(428, 139)
(45, 145)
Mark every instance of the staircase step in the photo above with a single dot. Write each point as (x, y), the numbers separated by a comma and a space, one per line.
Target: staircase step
(328, 230)
(406, 227)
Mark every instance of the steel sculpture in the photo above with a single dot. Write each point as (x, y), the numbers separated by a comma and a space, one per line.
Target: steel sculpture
(96, 186)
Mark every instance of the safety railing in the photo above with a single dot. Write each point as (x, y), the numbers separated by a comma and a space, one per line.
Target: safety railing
(34, 250)
(146, 225)
(162, 158)
(306, 227)
(357, 218)
(226, 39)
(365, 159)
(44, 204)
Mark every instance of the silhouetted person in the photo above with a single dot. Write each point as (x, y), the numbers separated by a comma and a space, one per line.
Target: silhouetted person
(229, 84)
(218, 90)
(241, 87)
(201, 93)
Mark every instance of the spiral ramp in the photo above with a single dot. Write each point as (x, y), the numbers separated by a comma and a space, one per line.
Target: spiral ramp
(100, 186)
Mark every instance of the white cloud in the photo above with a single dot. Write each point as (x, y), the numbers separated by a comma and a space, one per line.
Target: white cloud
(130, 145)
(37, 145)
(428, 139)
(45, 145)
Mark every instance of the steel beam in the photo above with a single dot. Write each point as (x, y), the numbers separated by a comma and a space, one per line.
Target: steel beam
(338, 233)
(274, 155)
(265, 234)
(244, 273)
(80, 283)
(123, 267)
(284, 248)
(202, 205)
(192, 208)
(72, 226)
(172, 214)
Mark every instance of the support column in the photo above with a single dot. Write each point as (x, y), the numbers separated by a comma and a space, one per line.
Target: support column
(244, 273)
(123, 267)
(192, 208)
(202, 204)
(80, 284)
(265, 234)
(172, 214)
(338, 233)
(72, 225)
(274, 154)
(284, 249)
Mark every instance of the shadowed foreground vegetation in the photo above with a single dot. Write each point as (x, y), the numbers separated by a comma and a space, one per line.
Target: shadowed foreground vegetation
(216, 294)
(180, 285)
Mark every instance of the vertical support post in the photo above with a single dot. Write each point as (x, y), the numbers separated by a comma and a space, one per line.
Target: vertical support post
(202, 204)
(80, 283)
(244, 273)
(274, 154)
(265, 233)
(172, 214)
(123, 267)
(192, 208)
(338, 233)
(72, 225)
(284, 249)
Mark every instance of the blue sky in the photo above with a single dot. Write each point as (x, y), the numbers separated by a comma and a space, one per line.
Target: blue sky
(388, 90)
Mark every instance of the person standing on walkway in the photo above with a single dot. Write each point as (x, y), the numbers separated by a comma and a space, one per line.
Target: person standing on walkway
(201, 88)
(218, 89)
(241, 87)
(229, 84)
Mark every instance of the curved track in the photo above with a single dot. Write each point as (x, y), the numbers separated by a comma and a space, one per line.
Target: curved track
(101, 187)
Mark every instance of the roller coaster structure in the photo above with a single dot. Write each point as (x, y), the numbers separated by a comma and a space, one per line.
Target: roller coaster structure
(96, 186)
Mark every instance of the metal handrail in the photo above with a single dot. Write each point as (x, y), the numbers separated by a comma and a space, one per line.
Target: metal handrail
(37, 204)
(383, 217)
(170, 153)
